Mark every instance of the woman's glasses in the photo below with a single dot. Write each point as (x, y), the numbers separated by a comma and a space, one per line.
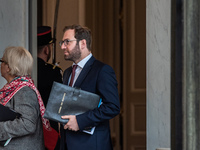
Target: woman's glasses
(2, 61)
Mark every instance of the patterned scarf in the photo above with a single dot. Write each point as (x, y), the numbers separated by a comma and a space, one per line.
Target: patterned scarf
(10, 89)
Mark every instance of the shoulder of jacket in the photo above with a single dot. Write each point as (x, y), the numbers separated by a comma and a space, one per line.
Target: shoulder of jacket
(98, 63)
(54, 66)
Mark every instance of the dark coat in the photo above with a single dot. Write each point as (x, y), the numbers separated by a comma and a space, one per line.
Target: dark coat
(47, 73)
(99, 78)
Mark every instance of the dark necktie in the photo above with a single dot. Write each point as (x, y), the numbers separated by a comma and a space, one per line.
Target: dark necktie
(73, 74)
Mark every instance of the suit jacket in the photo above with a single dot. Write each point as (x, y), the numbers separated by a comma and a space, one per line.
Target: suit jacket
(99, 78)
(27, 131)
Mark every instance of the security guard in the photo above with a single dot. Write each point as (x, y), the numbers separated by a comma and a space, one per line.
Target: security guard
(47, 73)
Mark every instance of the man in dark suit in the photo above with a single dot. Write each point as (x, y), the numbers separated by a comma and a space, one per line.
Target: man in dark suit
(93, 76)
(47, 73)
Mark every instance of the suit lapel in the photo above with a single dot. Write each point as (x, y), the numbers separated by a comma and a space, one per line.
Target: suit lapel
(84, 72)
(67, 75)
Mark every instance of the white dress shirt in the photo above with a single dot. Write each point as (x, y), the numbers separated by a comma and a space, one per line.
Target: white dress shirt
(79, 68)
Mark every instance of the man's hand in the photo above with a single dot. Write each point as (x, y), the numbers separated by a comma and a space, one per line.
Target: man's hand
(72, 123)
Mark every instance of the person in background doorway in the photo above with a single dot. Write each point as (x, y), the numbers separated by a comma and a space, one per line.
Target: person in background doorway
(47, 73)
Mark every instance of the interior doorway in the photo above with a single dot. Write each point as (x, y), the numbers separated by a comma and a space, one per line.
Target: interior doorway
(119, 39)
(119, 28)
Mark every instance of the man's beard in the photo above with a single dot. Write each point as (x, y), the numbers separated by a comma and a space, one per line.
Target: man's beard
(74, 54)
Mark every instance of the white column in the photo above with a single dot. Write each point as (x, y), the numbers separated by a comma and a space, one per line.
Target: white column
(158, 73)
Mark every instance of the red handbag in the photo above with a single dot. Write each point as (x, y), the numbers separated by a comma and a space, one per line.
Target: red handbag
(50, 138)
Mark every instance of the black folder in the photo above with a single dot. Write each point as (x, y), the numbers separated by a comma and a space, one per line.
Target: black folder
(7, 113)
(66, 100)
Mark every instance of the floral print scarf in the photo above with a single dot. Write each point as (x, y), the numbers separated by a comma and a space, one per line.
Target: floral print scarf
(10, 89)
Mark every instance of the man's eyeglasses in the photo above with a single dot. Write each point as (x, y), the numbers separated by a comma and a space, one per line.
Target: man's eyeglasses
(66, 42)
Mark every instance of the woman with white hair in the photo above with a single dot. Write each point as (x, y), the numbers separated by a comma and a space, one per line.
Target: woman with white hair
(21, 95)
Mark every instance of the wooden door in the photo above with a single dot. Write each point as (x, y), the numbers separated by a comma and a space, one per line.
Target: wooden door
(119, 39)
(134, 75)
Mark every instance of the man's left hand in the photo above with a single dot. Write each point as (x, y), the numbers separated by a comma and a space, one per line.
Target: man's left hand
(72, 123)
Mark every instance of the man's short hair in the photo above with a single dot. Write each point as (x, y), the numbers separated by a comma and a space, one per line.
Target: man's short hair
(81, 33)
